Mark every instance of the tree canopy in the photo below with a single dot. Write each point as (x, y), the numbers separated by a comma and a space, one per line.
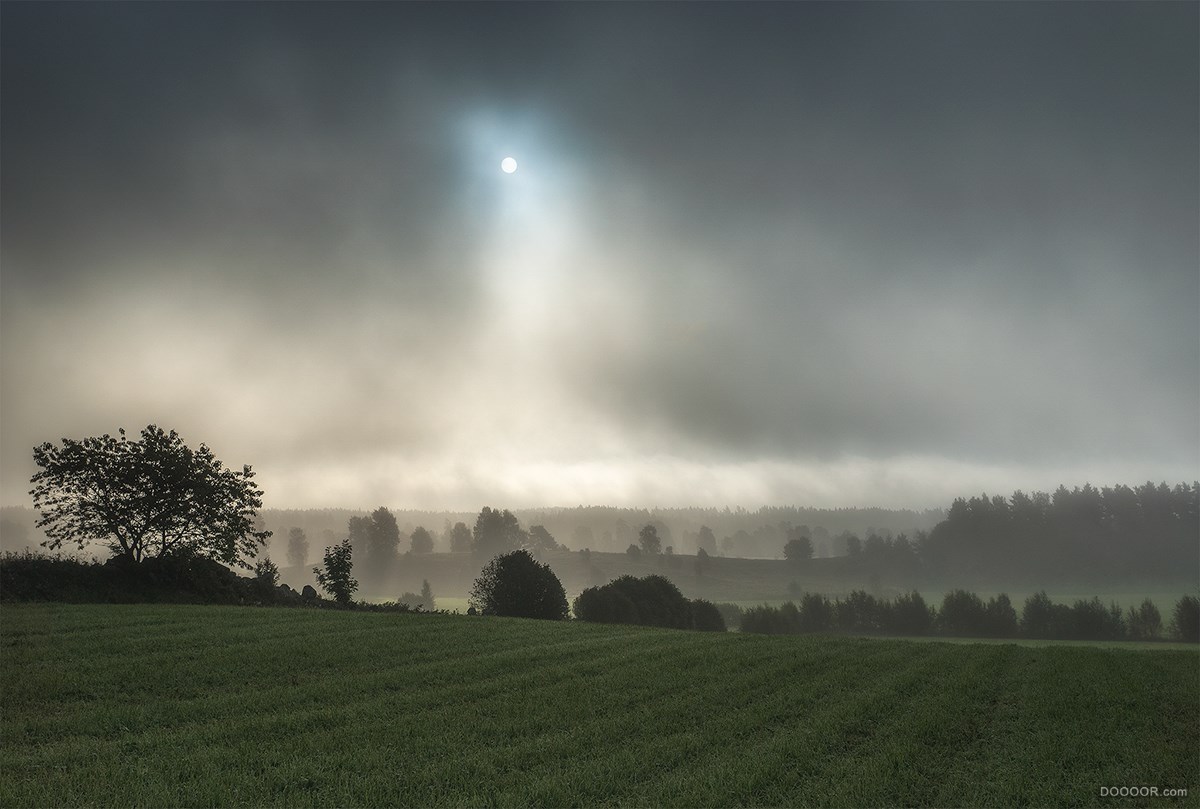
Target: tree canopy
(649, 601)
(297, 550)
(497, 532)
(151, 497)
(422, 540)
(377, 536)
(798, 547)
(460, 538)
(334, 578)
(515, 584)
(649, 539)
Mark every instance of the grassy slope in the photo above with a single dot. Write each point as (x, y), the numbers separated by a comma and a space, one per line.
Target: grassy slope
(158, 705)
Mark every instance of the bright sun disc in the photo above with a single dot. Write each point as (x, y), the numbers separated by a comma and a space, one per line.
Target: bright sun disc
(508, 165)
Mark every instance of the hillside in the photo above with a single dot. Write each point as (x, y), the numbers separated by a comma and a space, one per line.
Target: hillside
(155, 705)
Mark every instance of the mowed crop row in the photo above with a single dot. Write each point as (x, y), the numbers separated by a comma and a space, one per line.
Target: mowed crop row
(217, 706)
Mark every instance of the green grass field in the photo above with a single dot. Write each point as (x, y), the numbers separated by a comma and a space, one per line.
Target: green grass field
(221, 706)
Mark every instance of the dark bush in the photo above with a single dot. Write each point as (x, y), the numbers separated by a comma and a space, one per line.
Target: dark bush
(654, 600)
(1186, 621)
(767, 620)
(999, 618)
(858, 612)
(181, 577)
(1091, 620)
(605, 605)
(648, 601)
(910, 615)
(816, 613)
(706, 617)
(962, 614)
(1037, 617)
(1144, 622)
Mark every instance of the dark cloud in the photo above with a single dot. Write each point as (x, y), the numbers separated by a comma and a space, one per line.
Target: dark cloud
(798, 237)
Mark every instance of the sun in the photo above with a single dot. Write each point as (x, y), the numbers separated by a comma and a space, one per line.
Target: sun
(508, 165)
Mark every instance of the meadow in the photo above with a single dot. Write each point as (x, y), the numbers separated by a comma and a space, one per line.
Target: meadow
(151, 705)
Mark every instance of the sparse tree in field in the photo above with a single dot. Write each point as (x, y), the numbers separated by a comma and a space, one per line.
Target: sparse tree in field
(151, 497)
(515, 584)
(427, 595)
(335, 578)
(460, 538)
(422, 541)
(633, 551)
(706, 541)
(497, 532)
(297, 552)
(703, 562)
(648, 539)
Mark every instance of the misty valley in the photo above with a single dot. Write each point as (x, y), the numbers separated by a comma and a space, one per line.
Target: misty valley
(491, 663)
(599, 404)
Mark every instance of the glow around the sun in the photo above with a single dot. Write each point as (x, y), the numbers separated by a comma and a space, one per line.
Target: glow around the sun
(508, 165)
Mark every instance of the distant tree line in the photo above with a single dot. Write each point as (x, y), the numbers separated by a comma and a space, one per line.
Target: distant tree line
(1149, 531)
(964, 614)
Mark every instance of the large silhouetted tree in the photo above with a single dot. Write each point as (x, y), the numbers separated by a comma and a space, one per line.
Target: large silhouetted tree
(515, 584)
(150, 497)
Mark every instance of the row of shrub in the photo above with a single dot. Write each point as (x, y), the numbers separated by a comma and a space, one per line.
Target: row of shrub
(964, 614)
(175, 578)
(648, 601)
(179, 578)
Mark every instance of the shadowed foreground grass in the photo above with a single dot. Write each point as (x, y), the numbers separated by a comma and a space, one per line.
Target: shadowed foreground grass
(215, 706)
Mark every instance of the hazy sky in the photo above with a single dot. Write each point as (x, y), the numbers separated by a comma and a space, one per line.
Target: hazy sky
(821, 254)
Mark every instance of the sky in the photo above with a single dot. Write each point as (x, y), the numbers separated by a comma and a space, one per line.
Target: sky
(753, 254)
